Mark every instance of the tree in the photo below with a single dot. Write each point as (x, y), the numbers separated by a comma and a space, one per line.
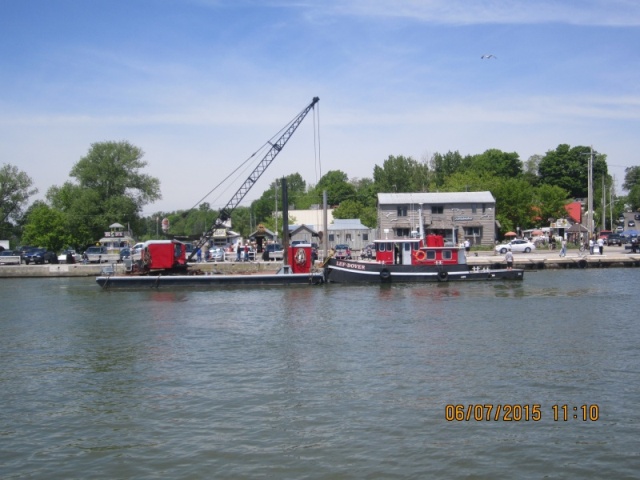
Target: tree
(568, 168)
(549, 203)
(496, 162)
(443, 166)
(46, 227)
(109, 188)
(15, 190)
(337, 185)
(631, 177)
(401, 174)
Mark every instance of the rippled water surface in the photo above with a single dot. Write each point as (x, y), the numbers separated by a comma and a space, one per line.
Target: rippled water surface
(320, 382)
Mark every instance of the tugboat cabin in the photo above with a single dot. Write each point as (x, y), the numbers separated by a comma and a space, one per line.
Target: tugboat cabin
(414, 251)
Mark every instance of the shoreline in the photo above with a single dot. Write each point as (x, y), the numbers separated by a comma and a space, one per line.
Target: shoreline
(547, 260)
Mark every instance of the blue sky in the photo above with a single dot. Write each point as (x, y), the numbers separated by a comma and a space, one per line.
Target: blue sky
(200, 85)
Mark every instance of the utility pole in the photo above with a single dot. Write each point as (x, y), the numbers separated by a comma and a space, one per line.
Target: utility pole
(590, 193)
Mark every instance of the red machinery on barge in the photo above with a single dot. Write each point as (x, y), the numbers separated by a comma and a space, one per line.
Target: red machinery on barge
(414, 260)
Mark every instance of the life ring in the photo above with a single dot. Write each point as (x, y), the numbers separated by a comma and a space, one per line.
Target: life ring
(582, 263)
(385, 275)
(443, 276)
(420, 255)
(301, 256)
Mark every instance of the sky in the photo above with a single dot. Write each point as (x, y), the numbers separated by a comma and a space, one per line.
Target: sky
(200, 85)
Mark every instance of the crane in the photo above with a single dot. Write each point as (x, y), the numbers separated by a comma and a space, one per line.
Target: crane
(276, 148)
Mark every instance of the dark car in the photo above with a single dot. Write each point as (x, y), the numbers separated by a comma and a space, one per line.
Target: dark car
(614, 239)
(40, 255)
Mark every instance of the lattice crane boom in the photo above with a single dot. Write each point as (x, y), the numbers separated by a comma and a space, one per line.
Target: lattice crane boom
(276, 148)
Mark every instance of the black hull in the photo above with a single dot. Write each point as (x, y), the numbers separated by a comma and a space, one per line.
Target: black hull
(173, 281)
(346, 271)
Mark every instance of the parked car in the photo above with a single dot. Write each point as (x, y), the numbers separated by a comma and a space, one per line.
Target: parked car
(637, 216)
(9, 256)
(517, 245)
(23, 250)
(631, 223)
(125, 253)
(216, 254)
(273, 251)
(136, 251)
(41, 256)
(96, 254)
(619, 228)
(343, 251)
(614, 239)
(64, 255)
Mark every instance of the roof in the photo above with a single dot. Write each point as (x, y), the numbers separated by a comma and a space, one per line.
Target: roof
(574, 210)
(431, 198)
(347, 224)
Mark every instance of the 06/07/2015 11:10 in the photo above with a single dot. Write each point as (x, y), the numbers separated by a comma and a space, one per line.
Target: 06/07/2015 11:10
(514, 412)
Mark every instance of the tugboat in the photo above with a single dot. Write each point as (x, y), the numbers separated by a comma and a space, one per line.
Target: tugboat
(414, 260)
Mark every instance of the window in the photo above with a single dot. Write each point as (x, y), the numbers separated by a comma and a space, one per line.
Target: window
(431, 255)
(331, 238)
(474, 208)
(402, 210)
(437, 209)
(348, 238)
(446, 255)
(473, 231)
(365, 237)
(402, 232)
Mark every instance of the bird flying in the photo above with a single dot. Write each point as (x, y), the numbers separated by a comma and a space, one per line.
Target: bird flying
(488, 56)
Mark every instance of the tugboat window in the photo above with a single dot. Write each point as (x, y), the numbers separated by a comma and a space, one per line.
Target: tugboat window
(446, 255)
(431, 255)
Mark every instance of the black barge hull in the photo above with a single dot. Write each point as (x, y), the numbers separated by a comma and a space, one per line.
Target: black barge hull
(173, 281)
(346, 271)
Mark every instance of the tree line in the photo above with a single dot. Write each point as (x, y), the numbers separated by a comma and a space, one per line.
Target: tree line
(108, 185)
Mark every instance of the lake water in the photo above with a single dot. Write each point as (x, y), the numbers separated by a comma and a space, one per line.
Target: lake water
(323, 382)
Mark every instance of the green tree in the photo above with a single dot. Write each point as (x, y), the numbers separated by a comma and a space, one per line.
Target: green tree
(109, 188)
(496, 162)
(46, 227)
(15, 190)
(568, 168)
(513, 203)
(336, 183)
(443, 166)
(549, 202)
(401, 174)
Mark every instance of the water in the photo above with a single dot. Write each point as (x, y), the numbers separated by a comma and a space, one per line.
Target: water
(320, 383)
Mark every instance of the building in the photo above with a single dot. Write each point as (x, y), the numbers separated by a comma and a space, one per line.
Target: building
(457, 216)
(350, 231)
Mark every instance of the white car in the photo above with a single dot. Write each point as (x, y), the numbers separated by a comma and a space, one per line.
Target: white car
(516, 245)
(62, 258)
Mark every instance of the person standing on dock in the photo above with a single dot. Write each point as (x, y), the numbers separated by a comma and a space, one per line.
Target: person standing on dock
(509, 259)
(601, 245)
(591, 246)
(563, 250)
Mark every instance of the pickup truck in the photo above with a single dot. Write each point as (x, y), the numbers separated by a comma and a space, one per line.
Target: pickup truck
(100, 255)
(614, 239)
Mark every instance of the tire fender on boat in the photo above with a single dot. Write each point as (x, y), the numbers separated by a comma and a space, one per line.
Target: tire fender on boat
(582, 263)
(443, 276)
(385, 275)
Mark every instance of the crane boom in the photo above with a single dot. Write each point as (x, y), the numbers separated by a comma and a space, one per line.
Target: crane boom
(276, 148)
